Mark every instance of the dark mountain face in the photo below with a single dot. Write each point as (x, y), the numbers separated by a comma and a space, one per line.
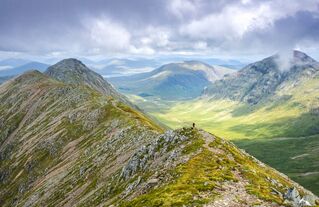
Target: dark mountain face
(261, 79)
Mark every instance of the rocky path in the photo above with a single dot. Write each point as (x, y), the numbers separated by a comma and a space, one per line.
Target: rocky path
(232, 194)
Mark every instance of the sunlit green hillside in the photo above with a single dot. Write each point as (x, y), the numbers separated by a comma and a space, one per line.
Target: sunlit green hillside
(291, 114)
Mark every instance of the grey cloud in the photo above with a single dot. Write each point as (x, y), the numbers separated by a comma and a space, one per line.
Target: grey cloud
(98, 27)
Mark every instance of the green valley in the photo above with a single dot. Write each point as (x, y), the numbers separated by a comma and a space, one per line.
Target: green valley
(260, 110)
(253, 127)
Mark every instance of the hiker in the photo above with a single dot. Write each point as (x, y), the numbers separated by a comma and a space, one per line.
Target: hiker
(193, 125)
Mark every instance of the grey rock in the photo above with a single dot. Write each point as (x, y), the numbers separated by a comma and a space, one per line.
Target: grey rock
(293, 195)
(152, 182)
(162, 144)
(296, 200)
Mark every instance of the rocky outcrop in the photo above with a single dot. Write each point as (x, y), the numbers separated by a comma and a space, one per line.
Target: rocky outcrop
(164, 147)
(294, 198)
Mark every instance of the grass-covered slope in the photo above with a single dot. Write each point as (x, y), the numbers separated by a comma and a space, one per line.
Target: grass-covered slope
(291, 112)
(58, 141)
(70, 145)
(213, 172)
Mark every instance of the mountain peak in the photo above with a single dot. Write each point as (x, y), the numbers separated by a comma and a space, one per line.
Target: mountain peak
(73, 71)
(291, 57)
(71, 61)
(70, 64)
(301, 56)
(193, 62)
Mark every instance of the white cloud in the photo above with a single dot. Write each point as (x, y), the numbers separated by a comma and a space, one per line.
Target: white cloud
(231, 23)
(154, 37)
(181, 8)
(244, 27)
(107, 35)
(201, 45)
(144, 50)
(235, 20)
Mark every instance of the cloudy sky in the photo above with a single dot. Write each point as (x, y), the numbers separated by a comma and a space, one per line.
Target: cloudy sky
(244, 29)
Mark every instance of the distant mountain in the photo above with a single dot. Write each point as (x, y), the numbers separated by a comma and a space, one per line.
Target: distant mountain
(233, 64)
(262, 79)
(64, 141)
(116, 67)
(23, 68)
(123, 66)
(13, 62)
(172, 81)
(234, 67)
(212, 73)
(228, 63)
(5, 78)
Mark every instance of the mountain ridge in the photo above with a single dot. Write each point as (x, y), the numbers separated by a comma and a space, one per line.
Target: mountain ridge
(68, 144)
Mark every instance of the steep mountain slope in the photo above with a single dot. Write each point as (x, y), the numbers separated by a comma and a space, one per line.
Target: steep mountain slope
(172, 81)
(52, 135)
(65, 144)
(262, 79)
